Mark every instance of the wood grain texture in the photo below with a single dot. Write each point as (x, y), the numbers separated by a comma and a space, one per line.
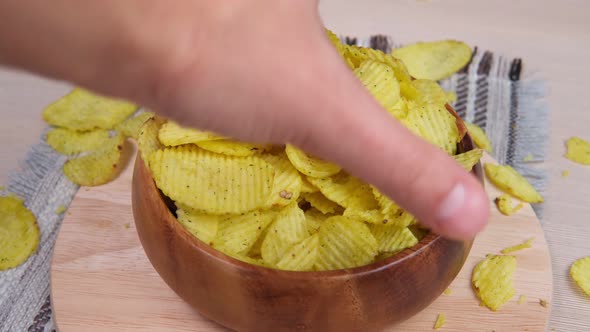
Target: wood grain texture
(102, 280)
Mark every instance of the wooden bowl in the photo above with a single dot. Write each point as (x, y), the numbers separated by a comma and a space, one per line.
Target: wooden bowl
(245, 297)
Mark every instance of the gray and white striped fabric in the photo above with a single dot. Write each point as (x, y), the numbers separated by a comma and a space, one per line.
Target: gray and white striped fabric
(490, 92)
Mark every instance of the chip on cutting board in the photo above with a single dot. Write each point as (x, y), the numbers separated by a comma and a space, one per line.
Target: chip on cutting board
(479, 137)
(434, 60)
(309, 165)
(505, 205)
(492, 280)
(578, 151)
(98, 167)
(211, 182)
(510, 181)
(19, 233)
(84, 110)
(580, 272)
(345, 243)
(69, 142)
(526, 244)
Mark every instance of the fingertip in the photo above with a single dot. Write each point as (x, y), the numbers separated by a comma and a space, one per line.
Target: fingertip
(464, 212)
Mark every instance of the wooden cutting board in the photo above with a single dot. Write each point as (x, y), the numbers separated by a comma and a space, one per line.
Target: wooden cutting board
(101, 279)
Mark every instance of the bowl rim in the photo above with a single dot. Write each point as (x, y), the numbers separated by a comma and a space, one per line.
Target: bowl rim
(466, 144)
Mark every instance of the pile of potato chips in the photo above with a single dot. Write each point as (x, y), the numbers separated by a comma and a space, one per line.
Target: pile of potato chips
(280, 207)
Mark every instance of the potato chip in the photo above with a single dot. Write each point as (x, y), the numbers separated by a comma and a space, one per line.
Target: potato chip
(362, 198)
(580, 272)
(236, 234)
(578, 151)
(469, 159)
(357, 54)
(434, 124)
(302, 256)
(147, 140)
(69, 142)
(98, 167)
(479, 137)
(211, 182)
(19, 233)
(338, 188)
(451, 97)
(448, 291)
(521, 299)
(388, 206)
(256, 250)
(345, 243)
(84, 110)
(429, 92)
(441, 319)
(341, 48)
(231, 148)
(288, 229)
(307, 187)
(320, 202)
(250, 260)
(380, 80)
(565, 173)
(203, 226)
(505, 205)
(314, 219)
(508, 180)
(132, 126)
(492, 280)
(172, 134)
(434, 60)
(392, 238)
(287, 181)
(309, 165)
(526, 244)
(543, 303)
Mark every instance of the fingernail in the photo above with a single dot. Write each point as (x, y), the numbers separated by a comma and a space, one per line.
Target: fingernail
(452, 203)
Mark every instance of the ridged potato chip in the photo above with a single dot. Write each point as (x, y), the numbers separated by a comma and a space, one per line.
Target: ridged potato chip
(288, 229)
(147, 140)
(84, 110)
(320, 202)
(203, 226)
(469, 159)
(451, 97)
(132, 126)
(479, 137)
(578, 151)
(302, 256)
(338, 188)
(434, 124)
(434, 60)
(505, 205)
(492, 280)
(580, 272)
(307, 187)
(211, 182)
(345, 243)
(388, 206)
(314, 219)
(429, 92)
(287, 182)
(231, 148)
(69, 142)
(363, 206)
(309, 165)
(237, 234)
(392, 238)
(380, 80)
(508, 180)
(172, 134)
(526, 244)
(357, 55)
(19, 233)
(341, 48)
(98, 167)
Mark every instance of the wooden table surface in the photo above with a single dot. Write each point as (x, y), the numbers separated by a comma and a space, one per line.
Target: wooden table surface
(553, 38)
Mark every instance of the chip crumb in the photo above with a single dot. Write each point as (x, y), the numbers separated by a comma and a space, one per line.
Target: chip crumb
(526, 244)
(60, 209)
(447, 291)
(504, 204)
(127, 225)
(543, 303)
(578, 150)
(441, 319)
(522, 299)
(529, 157)
(565, 173)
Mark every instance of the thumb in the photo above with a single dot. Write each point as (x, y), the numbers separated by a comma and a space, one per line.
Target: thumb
(354, 131)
